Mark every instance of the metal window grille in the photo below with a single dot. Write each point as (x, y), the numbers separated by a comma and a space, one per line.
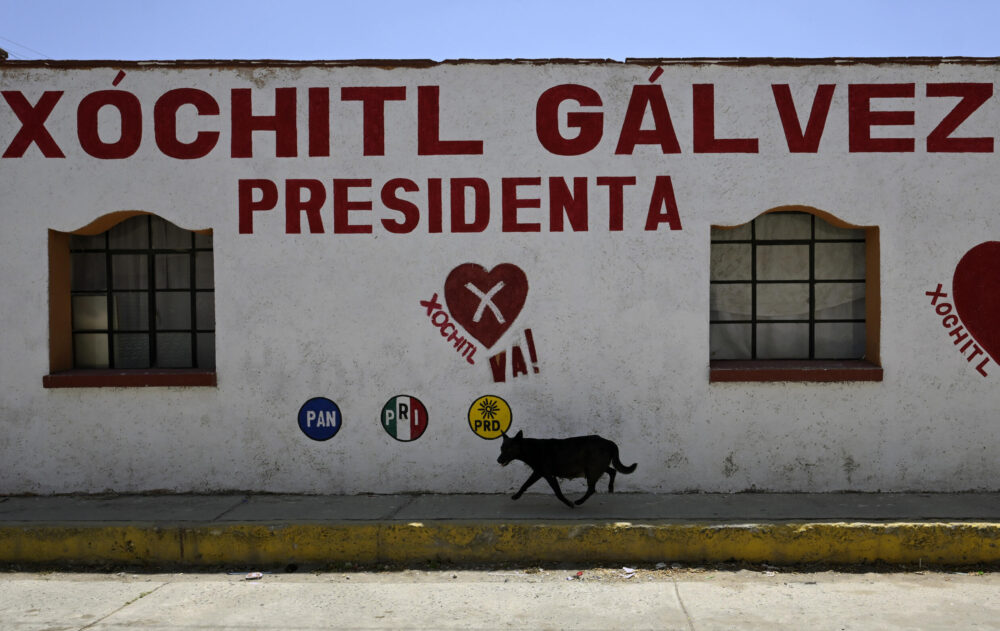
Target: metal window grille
(817, 267)
(143, 297)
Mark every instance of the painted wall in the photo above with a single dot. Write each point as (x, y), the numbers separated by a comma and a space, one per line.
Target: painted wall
(617, 312)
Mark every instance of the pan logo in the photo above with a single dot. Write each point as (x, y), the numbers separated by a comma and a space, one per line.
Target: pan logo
(320, 419)
(404, 418)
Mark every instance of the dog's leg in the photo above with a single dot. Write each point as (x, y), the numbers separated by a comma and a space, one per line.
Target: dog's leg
(592, 478)
(611, 482)
(534, 477)
(555, 487)
(590, 491)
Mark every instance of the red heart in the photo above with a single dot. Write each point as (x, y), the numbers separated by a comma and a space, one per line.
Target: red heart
(485, 303)
(976, 289)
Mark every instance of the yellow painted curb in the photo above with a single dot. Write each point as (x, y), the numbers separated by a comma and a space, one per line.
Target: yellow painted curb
(946, 543)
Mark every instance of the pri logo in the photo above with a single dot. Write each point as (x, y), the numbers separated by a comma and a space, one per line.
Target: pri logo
(404, 418)
(486, 303)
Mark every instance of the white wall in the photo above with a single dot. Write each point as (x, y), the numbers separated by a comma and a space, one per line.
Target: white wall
(620, 319)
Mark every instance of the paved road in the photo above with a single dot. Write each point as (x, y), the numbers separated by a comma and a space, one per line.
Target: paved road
(600, 598)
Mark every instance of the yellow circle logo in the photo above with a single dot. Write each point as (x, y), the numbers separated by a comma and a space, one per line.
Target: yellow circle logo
(489, 417)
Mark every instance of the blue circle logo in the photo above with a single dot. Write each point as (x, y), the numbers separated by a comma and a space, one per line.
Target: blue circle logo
(319, 418)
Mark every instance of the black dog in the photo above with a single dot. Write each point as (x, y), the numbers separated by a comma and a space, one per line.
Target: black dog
(550, 458)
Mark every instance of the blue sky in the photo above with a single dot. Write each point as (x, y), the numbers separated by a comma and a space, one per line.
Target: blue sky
(448, 29)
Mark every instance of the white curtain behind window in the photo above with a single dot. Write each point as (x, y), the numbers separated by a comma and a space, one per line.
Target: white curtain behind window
(783, 289)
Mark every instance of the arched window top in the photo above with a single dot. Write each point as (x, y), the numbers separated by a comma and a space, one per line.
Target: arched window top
(827, 217)
(112, 219)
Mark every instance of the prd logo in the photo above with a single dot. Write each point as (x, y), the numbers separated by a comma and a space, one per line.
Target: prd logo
(404, 418)
(489, 417)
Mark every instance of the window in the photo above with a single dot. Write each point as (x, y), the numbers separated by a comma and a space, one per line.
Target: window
(133, 304)
(794, 292)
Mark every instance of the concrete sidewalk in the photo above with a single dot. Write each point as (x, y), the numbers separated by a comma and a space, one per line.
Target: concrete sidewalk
(276, 530)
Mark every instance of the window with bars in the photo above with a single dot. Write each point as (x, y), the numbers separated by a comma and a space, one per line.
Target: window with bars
(788, 285)
(142, 296)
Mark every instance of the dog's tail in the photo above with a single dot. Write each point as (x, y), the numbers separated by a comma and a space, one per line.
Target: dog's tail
(618, 463)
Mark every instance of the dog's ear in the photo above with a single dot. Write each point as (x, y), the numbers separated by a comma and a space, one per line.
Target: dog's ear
(520, 434)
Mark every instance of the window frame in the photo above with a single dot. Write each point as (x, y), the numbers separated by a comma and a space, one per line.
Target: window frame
(62, 373)
(868, 368)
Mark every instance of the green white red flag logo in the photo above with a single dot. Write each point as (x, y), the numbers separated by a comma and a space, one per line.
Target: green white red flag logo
(404, 418)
